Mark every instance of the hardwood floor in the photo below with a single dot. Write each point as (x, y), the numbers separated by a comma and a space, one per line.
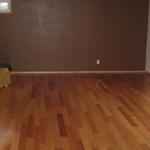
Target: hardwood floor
(76, 112)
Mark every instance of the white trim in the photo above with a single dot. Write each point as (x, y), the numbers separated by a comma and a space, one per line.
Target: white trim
(79, 72)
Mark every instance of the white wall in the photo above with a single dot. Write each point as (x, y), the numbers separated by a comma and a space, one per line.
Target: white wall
(148, 46)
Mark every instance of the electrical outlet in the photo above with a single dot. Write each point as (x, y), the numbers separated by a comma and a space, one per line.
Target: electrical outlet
(98, 61)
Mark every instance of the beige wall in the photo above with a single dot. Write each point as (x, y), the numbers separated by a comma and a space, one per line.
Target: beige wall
(148, 47)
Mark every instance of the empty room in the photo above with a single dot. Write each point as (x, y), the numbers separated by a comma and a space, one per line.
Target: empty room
(74, 75)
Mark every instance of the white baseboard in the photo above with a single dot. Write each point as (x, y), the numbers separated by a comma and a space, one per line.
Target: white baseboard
(79, 72)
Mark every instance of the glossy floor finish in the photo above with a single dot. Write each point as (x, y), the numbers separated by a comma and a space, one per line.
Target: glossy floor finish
(76, 112)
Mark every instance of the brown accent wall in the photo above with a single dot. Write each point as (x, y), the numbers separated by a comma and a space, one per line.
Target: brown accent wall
(71, 34)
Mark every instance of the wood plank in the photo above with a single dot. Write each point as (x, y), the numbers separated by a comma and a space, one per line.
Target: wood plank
(76, 112)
